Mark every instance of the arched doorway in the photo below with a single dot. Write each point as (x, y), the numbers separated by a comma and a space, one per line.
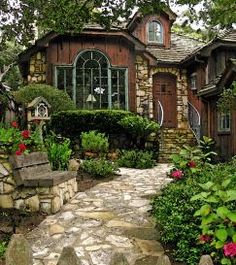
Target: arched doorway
(164, 95)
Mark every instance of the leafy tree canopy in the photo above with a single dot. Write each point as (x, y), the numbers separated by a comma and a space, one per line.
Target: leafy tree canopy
(18, 18)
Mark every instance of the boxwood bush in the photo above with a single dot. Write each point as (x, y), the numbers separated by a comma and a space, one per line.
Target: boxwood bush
(58, 99)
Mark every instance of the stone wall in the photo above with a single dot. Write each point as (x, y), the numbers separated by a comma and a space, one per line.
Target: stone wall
(144, 90)
(45, 199)
(144, 95)
(37, 68)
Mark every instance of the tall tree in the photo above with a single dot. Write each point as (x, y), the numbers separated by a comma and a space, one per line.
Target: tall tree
(18, 18)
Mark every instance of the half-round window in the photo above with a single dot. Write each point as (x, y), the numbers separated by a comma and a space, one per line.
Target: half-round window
(155, 32)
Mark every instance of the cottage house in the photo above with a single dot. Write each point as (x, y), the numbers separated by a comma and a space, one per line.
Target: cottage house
(140, 66)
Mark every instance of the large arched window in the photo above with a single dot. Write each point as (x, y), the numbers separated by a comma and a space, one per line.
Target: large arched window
(155, 32)
(95, 83)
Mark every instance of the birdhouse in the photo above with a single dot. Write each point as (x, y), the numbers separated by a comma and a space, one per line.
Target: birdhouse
(38, 109)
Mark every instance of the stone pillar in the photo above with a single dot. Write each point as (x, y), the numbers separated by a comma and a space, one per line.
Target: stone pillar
(144, 95)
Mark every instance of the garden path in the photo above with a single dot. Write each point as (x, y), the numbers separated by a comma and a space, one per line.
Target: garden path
(110, 217)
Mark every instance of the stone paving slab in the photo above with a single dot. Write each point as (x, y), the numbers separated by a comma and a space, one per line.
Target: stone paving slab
(110, 217)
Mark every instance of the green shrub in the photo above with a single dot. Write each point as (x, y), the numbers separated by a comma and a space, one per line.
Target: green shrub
(72, 123)
(59, 151)
(139, 128)
(218, 215)
(174, 212)
(58, 99)
(99, 168)
(136, 159)
(94, 142)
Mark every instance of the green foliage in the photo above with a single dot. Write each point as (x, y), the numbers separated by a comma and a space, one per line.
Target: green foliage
(207, 145)
(190, 160)
(173, 212)
(8, 56)
(94, 142)
(218, 214)
(136, 159)
(12, 137)
(227, 100)
(46, 15)
(3, 247)
(58, 99)
(59, 151)
(140, 128)
(99, 168)
(73, 123)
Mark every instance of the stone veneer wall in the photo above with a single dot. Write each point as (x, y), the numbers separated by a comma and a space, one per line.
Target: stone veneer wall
(45, 199)
(37, 68)
(144, 95)
(144, 90)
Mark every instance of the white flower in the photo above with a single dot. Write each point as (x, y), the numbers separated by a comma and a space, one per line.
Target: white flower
(99, 90)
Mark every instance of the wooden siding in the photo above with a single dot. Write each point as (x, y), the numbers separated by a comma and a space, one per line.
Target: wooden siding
(226, 141)
(140, 31)
(65, 49)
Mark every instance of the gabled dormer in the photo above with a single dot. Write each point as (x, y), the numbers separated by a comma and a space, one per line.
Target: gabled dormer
(153, 30)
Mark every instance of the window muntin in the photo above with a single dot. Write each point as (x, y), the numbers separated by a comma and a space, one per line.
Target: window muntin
(155, 32)
(64, 79)
(193, 81)
(224, 122)
(93, 83)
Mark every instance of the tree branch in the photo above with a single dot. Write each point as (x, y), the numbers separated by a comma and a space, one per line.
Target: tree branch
(6, 70)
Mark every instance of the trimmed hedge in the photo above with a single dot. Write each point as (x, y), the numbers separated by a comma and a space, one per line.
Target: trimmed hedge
(58, 99)
(72, 123)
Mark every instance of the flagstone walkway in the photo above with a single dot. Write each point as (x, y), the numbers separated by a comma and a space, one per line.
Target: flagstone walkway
(111, 217)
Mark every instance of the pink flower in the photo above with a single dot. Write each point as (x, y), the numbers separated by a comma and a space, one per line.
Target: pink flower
(18, 152)
(204, 238)
(230, 249)
(178, 174)
(191, 164)
(25, 134)
(22, 147)
(14, 124)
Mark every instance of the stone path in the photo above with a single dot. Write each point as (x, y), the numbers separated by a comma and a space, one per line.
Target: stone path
(110, 217)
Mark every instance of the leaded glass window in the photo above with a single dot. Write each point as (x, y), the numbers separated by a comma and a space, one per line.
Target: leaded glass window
(64, 79)
(93, 83)
(155, 32)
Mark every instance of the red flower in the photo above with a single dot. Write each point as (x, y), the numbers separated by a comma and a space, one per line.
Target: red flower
(14, 124)
(22, 147)
(18, 152)
(25, 134)
(191, 164)
(204, 238)
(178, 174)
(230, 249)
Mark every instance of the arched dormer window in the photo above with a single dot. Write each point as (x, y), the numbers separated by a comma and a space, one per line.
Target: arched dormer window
(155, 32)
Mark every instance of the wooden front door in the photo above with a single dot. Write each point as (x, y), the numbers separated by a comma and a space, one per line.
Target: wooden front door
(164, 92)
